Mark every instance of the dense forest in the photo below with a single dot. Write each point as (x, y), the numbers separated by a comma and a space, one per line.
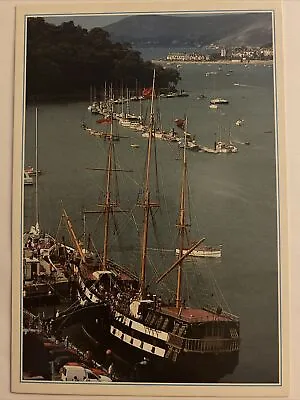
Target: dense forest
(64, 61)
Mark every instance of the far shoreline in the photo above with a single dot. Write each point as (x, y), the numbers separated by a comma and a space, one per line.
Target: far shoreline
(223, 62)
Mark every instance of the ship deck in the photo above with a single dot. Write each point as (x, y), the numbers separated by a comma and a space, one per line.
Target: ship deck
(195, 315)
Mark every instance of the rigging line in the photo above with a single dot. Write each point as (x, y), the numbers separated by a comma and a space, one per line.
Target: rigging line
(155, 275)
(188, 189)
(58, 229)
(95, 248)
(118, 236)
(156, 169)
(192, 207)
(155, 230)
(219, 290)
(187, 289)
(76, 302)
(135, 222)
(117, 193)
(133, 180)
(166, 205)
(215, 293)
(119, 227)
(96, 225)
(193, 289)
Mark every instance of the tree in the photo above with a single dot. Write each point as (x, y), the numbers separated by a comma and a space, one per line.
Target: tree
(63, 61)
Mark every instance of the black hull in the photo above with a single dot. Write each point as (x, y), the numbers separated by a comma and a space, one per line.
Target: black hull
(189, 367)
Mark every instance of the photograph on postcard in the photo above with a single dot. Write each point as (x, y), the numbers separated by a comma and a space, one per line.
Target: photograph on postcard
(149, 199)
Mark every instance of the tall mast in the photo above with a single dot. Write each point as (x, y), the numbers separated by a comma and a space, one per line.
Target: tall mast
(146, 201)
(105, 91)
(127, 102)
(107, 204)
(182, 223)
(36, 170)
(122, 101)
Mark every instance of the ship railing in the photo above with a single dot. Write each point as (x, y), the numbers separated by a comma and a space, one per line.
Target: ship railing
(224, 313)
(210, 345)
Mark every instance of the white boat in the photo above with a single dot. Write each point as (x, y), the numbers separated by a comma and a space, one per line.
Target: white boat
(168, 95)
(31, 171)
(170, 136)
(223, 147)
(219, 100)
(213, 106)
(190, 145)
(239, 122)
(203, 251)
(211, 73)
(157, 134)
(28, 180)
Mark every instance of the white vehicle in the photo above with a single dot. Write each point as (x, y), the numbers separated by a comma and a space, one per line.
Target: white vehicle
(77, 373)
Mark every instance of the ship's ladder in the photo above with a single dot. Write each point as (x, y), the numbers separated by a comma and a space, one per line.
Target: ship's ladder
(172, 353)
(175, 341)
(234, 333)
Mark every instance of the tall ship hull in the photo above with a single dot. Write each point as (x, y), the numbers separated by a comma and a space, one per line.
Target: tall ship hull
(188, 348)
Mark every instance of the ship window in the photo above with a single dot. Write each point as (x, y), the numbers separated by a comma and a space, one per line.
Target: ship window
(130, 323)
(165, 323)
(122, 336)
(114, 331)
(159, 322)
(153, 349)
(152, 320)
(142, 345)
(131, 340)
(148, 318)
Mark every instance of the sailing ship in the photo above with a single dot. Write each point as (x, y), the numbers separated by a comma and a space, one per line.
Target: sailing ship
(42, 280)
(178, 342)
(225, 147)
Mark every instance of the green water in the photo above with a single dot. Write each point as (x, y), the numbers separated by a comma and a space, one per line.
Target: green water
(233, 196)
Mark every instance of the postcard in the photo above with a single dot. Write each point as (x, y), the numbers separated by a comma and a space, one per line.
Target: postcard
(149, 221)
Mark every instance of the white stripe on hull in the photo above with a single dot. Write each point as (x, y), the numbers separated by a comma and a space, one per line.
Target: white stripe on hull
(142, 328)
(158, 351)
(87, 292)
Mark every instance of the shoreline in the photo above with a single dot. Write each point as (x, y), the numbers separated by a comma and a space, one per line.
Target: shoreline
(223, 62)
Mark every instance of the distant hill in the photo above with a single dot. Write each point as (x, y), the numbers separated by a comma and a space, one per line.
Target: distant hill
(164, 30)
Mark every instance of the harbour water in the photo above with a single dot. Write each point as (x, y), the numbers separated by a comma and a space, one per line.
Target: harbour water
(233, 196)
